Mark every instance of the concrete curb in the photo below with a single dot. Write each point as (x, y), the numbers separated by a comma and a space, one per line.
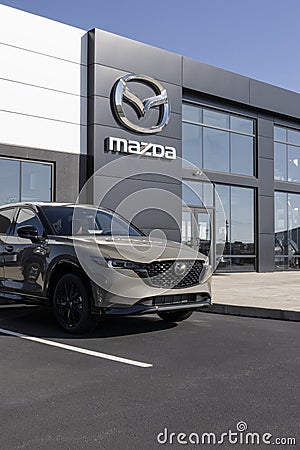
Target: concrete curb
(252, 311)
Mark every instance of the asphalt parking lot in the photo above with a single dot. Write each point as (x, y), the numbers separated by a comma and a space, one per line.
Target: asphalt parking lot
(204, 375)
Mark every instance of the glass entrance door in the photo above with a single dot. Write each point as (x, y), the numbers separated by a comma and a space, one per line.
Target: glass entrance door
(197, 230)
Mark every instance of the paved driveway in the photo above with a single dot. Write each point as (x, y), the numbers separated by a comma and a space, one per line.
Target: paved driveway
(205, 375)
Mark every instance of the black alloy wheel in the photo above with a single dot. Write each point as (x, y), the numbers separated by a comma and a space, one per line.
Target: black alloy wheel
(71, 305)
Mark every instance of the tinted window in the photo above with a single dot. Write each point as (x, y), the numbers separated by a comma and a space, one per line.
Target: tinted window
(10, 181)
(28, 217)
(6, 218)
(280, 166)
(87, 221)
(192, 113)
(192, 144)
(216, 149)
(217, 140)
(241, 154)
(36, 182)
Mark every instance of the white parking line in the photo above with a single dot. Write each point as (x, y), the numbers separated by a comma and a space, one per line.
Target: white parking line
(76, 349)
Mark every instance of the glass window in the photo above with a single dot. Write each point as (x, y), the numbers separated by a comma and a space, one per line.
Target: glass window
(287, 157)
(293, 163)
(242, 221)
(36, 182)
(287, 230)
(241, 124)
(6, 218)
(216, 149)
(221, 142)
(280, 166)
(192, 113)
(10, 181)
(224, 197)
(294, 225)
(280, 134)
(293, 136)
(195, 193)
(215, 118)
(27, 217)
(192, 144)
(241, 154)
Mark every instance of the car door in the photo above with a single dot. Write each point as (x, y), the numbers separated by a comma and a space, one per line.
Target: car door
(24, 259)
(6, 221)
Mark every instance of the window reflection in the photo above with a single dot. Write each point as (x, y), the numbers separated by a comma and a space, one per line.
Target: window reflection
(216, 149)
(286, 157)
(238, 204)
(287, 230)
(280, 166)
(218, 141)
(241, 154)
(192, 144)
(238, 235)
(10, 181)
(36, 181)
(24, 181)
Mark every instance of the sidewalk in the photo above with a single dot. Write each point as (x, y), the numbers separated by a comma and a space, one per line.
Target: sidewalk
(269, 295)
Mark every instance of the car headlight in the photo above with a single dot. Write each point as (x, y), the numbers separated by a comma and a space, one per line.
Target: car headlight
(123, 264)
(119, 263)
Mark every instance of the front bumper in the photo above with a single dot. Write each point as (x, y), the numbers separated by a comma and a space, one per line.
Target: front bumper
(154, 305)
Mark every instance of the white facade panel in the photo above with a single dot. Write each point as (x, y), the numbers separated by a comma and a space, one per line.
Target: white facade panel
(28, 131)
(40, 102)
(44, 71)
(38, 34)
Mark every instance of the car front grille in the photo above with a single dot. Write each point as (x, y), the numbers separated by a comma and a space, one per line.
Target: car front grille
(162, 274)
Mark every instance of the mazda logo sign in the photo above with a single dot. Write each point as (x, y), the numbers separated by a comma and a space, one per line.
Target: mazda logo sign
(122, 93)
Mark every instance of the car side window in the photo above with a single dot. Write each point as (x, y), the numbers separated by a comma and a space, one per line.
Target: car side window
(6, 219)
(28, 217)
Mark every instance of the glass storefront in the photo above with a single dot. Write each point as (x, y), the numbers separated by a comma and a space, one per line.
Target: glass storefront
(199, 223)
(287, 230)
(286, 154)
(25, 181)
(217, 141)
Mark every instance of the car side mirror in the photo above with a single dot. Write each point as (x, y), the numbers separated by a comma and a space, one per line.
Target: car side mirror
(28, 232)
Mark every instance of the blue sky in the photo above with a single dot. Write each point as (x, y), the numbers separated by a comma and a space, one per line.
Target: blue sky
(256, 38)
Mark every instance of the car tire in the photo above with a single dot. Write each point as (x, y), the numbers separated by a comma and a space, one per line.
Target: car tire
(71, 305)
(175, 316)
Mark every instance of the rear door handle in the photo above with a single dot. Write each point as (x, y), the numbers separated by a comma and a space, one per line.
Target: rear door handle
(9, 248)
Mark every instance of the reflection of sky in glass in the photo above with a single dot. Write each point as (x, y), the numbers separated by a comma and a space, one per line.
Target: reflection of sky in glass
(36, 182)
(238, 204)
(10, 181)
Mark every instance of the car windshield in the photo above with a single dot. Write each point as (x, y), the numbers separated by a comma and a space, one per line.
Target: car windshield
(87, 221)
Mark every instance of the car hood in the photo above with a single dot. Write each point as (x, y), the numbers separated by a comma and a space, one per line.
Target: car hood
(137, 248)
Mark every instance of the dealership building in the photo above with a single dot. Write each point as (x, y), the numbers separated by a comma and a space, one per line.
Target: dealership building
(166, 131)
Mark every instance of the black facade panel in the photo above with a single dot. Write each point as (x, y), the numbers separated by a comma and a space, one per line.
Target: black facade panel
(266, 147)
(266, 254)
(218, 82)
(273, 98)
(265, 127)
(266, 176)
(135, 57)
(266, 215)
